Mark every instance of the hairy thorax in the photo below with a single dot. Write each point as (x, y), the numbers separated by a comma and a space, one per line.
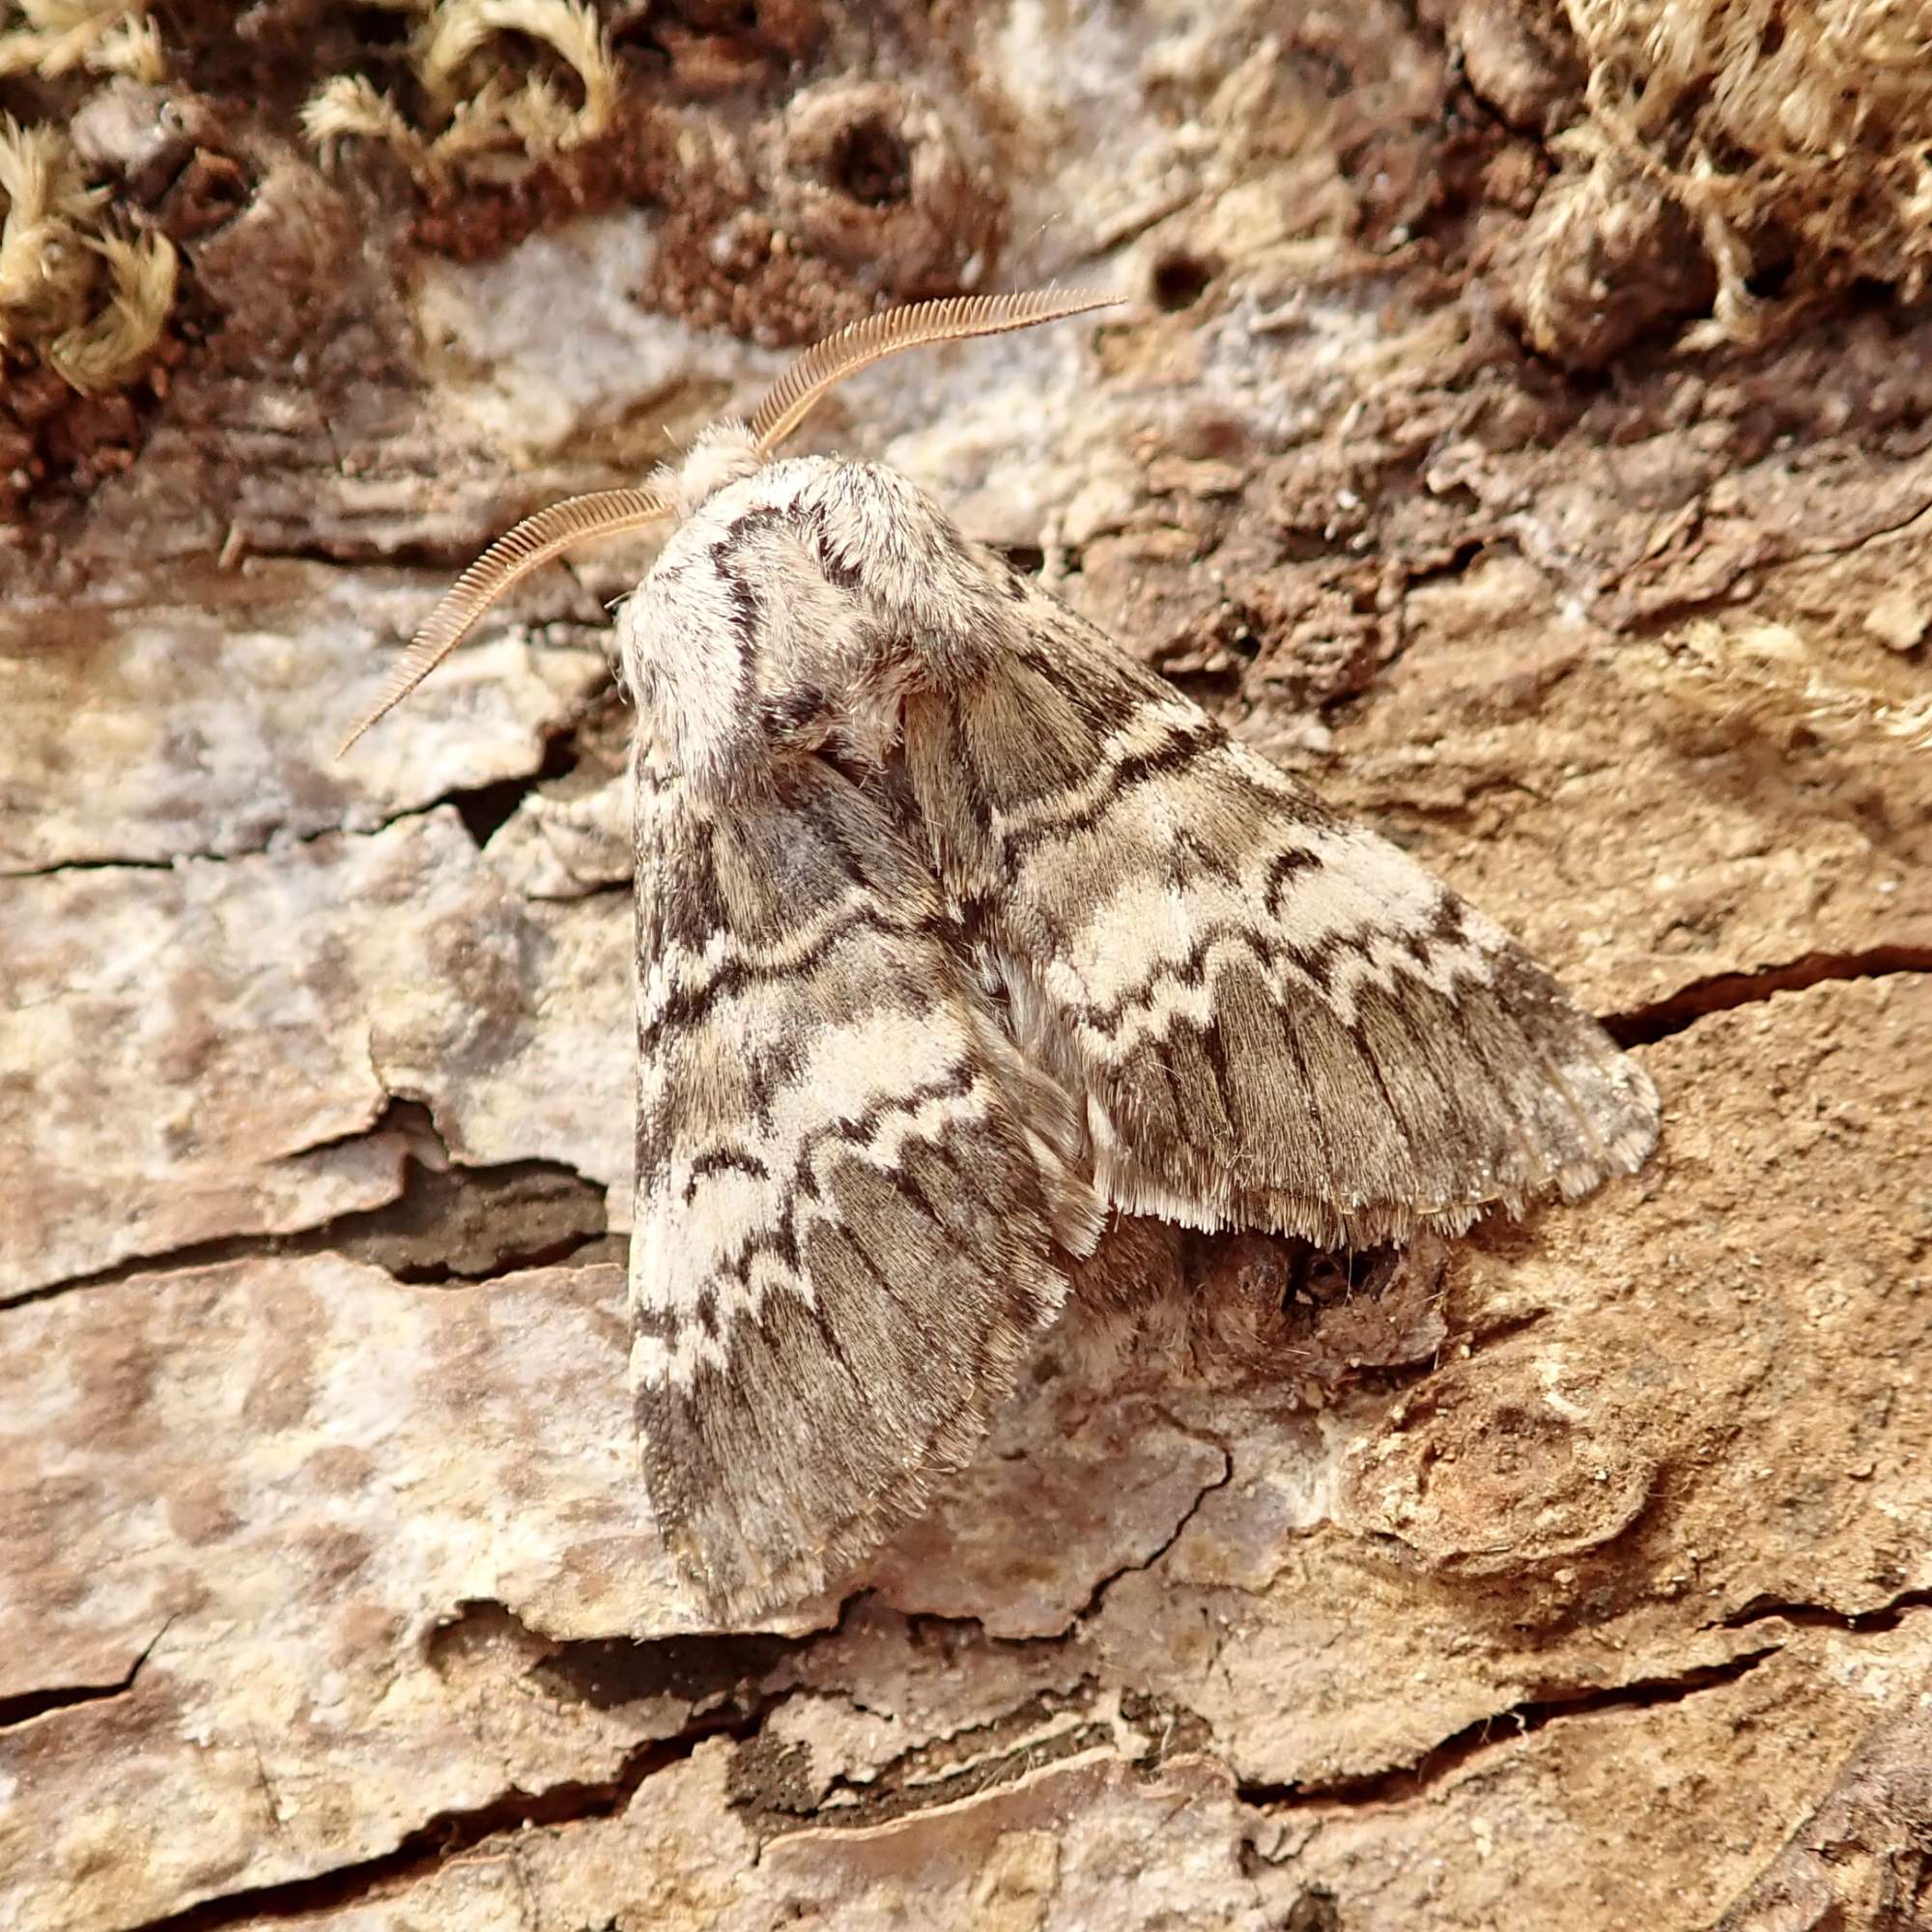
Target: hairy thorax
(793, 612)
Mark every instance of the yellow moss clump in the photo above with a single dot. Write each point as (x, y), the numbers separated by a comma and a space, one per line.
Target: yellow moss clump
(474, 111)
(51, 37)
(89, 304)
(1792, 132)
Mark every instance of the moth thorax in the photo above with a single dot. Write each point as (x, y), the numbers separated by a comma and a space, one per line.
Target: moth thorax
(727, 452)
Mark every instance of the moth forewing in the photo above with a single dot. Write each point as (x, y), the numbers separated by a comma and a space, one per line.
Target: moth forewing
(1275, 1018)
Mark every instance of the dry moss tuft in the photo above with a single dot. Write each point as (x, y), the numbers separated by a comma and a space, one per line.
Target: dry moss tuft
(474, 111)
(1795, 139)
(112, 346)
(88, 303)
(51, 37)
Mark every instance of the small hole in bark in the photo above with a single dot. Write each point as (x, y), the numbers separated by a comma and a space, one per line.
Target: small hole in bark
(1315, 1910)
(869, 163)
(1181, 280)
(486, 808)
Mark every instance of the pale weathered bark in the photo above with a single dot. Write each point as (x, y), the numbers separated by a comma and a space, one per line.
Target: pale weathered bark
(1578, 1572)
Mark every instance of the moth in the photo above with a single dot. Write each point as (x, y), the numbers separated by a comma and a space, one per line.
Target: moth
(956, 929)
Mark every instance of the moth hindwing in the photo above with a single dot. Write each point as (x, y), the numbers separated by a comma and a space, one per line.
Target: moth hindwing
(957, 928)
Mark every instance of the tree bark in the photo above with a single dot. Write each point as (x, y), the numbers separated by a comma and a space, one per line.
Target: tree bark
(1574, 1573)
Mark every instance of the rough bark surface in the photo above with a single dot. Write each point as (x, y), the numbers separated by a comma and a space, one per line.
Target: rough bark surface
(1578, 1572)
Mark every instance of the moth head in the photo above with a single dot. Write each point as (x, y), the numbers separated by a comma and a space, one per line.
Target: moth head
(723, 453)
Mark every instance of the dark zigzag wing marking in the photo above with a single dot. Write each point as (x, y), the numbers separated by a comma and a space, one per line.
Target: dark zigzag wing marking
(688, 1003)
(846, 1236)
(1383, 1058)
(825, 1410)
(780, 1239)
(838, 881)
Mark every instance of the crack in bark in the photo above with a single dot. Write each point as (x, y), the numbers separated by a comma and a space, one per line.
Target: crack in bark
(446, 1836)
(604, 1673)
(1528, 1716)
(1826, 1616)
(898, 1789)
(24, 1706)
(1144, 1730)
(1721, 992)
(915, 1781)
(482, 808)
(455, 1226)
(278, 840)
(485, 808)
(1100, 1590)
(770, 1783)
(608, 1673)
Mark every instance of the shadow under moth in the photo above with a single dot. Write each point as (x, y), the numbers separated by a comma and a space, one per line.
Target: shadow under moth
(956, 928)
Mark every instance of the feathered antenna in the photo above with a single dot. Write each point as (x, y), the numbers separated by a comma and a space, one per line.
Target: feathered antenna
(860, 344)
(608, 513)
(604, 513)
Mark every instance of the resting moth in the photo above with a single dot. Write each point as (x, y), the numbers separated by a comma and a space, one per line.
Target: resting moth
(957, 928)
